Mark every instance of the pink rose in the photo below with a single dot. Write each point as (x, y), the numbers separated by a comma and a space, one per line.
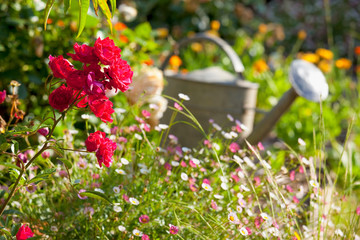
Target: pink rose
(2, 96)
(120, 75)
(94, 140)
(60, 67)
(24, 233)
(84, 54)
(106, 50)
(61, 98)
(101, 106)
(105, 152)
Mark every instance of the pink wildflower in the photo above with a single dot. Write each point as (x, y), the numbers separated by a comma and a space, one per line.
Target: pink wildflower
(289, 188)
(177, 106)
(144, 219)
(145, 237)
(292, 175)
(234, 147)
(145, 113)
(173, 229)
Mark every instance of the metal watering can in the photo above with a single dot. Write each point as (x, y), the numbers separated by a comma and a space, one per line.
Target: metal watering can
(214, 93)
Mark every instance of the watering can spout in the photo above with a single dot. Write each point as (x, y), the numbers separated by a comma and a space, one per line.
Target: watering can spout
(307, 81)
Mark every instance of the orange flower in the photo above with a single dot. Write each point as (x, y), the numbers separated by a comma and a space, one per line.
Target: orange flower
(184, 71)
(162, 32)
(119, 26)
(215, 25)
(260, 66)
(325, 53)
(357, 50)
(302, 34)
(196, 47)
(262, 28)
(309, 57)
(49, 21)
(148, 62)
(324, 66)
(343, 63)
(175, 61)
(60, 23)
(123, 38)
(213, 32)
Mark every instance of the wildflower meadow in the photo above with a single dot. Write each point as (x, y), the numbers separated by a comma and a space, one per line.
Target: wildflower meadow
(93, 147)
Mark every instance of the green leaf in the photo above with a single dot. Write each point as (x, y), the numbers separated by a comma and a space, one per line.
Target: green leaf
(143, 30)
(66, 162)
(113, 6)
(67, 4)
(96, 6)
(4, 146)
(105, 9)
(12, 212)
(97, 195)
(2, 139)
(44, 175)
(48, 7)
(10, 165)
(2, 193)
(15, 229)
(14, 147)
(57, 149)
(84, 7)
(3, 230)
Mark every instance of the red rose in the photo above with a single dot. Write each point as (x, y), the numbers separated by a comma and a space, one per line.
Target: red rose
(105, 152)
(96, 69)
(94, 140)
(2, 96)
(77, 79)
(84, 54)
(60, 67)
(84, 100)
(101, 106)
(120, 75)
(61, 98)
(106, 50)
(24, 233)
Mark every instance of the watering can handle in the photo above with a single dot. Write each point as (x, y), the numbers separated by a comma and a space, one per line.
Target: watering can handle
(235, 60)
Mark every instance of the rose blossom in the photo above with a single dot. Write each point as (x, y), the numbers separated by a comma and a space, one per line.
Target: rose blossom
(94, 140)
(84, 54)
(2, 96)
(105, 152)
(44, 131)
(106, 50)
(24, 233)
(61, 98)
(60, 67)
(101, 106)
(120, 75)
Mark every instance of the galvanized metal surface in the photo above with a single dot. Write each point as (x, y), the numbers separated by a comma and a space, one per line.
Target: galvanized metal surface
(213, 93)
